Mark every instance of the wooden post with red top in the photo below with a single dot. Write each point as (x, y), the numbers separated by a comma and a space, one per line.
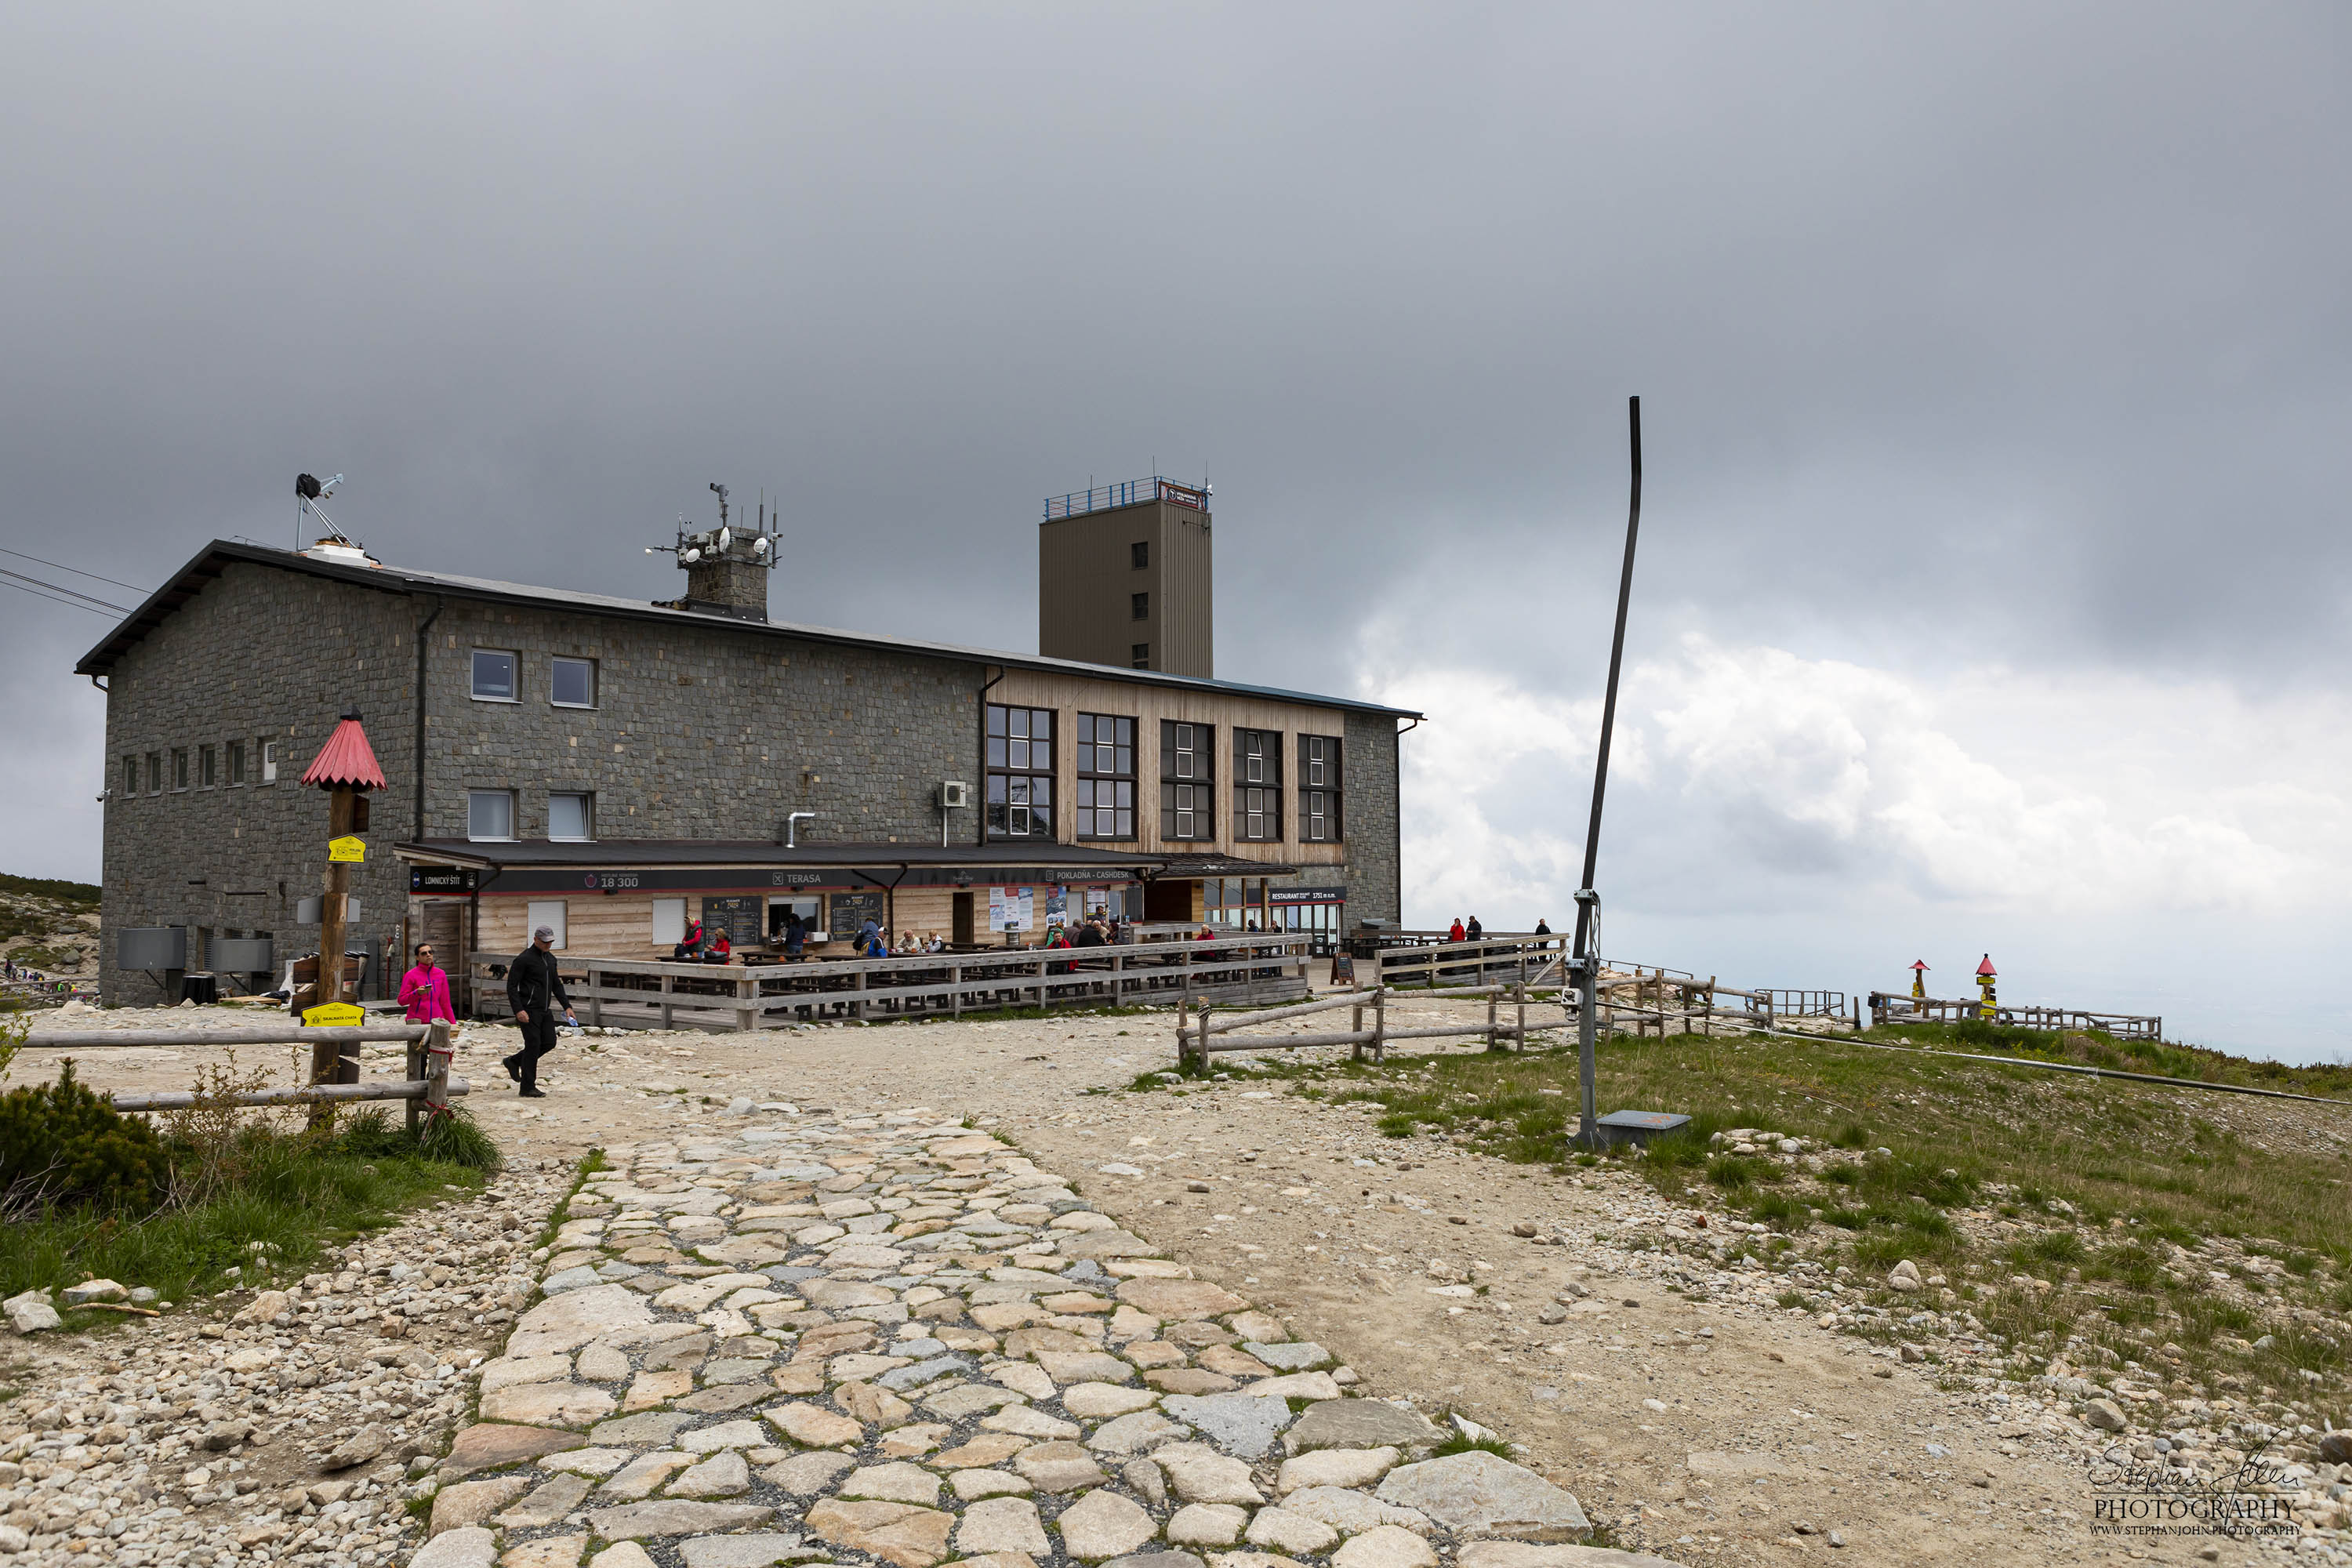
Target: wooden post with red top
(1987, 1004)
(347, 770)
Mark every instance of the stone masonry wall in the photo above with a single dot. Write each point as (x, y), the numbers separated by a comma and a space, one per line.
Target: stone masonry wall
(1375, 856)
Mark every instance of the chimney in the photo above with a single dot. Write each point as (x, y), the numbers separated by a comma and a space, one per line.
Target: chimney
(727, 567)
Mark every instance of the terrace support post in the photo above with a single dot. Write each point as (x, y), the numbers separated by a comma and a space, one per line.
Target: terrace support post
(955, 993)
(595, 995)
(857, 982)
(747, 997)
(666, 980)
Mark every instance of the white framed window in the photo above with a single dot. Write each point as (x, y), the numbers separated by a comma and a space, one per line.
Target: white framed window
(670, 921)
(571, 817)
(268, 762)
(547, 913)
(494, 675)
(489, 814)
(571, 683)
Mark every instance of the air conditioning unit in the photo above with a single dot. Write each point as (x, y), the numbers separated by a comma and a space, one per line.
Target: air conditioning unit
(954, 794)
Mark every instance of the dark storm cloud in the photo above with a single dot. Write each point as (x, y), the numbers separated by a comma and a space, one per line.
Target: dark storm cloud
(1985, 331)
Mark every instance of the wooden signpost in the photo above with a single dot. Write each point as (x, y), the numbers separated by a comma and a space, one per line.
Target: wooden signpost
(346, 768)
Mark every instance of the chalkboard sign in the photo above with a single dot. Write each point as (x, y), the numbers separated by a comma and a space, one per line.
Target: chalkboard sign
(1343, 968)
(852, 911)
(738, 918)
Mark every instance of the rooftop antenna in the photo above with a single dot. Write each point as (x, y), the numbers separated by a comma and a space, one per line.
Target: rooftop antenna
(309, 491)
(692, 544)
(1584, 965)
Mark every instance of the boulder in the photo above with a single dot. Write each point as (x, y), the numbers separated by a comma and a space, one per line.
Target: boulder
(1478, 1493)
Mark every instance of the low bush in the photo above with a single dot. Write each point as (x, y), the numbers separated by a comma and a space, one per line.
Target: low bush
(63, 1146)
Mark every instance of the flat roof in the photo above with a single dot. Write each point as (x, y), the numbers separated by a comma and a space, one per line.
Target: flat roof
(649, 854)
(210, 562)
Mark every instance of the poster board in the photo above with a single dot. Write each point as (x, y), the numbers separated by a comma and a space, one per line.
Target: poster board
(852, 911)
(740, 918)
(1012, 909)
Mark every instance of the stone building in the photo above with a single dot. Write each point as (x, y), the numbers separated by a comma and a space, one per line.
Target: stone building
(618, 766)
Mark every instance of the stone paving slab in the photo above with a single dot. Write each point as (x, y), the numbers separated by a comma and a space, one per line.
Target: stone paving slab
(896, 1340)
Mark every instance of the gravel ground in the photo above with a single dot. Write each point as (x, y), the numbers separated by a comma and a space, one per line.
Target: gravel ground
(1726, 1430)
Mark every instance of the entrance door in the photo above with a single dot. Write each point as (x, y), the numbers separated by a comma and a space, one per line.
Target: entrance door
(962, 923)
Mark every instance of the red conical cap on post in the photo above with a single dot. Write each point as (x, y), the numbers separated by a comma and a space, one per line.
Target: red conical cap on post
(346, 761)
(1986, 967)
(1918, 964)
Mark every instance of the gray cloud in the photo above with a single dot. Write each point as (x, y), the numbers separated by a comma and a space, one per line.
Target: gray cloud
(2000, 333)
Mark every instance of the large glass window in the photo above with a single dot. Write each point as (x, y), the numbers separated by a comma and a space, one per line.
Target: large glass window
(494, 675)
(1257, 785)
(1020, 772)
(572, 683)
(1319, 789)
(489, 814)
(571, 817)
(1106, 776)
(1188, 772)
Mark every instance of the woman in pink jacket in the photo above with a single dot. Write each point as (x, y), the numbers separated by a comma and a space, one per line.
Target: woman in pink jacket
(424, 990)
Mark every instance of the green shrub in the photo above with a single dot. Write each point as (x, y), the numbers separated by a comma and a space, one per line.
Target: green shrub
(60, 1144)
(1729, 1171)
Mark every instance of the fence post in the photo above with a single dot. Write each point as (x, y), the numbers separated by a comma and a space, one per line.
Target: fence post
(1380, 1024)
(1356, 1026)
(1205, 1036)
(1490, 1020)
(437, 1052)
(746, 996)
(955, 994)
(1523, 1006)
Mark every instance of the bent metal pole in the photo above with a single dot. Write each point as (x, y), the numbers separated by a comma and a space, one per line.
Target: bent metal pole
(1586, 961)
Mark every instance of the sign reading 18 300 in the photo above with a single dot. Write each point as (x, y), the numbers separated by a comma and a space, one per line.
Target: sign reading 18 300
(608, 879)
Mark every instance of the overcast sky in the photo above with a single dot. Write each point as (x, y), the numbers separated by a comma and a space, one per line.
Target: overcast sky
(1994, 358)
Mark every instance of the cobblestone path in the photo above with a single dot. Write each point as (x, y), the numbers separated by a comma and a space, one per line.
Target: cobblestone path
(897, 1341)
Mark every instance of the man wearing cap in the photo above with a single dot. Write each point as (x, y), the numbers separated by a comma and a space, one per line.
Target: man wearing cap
(533, 988)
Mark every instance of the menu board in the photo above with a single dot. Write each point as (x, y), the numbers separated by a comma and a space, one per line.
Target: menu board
(851, 911)
(738, 918)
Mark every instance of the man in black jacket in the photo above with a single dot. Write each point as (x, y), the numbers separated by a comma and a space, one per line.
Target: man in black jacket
(533, 988)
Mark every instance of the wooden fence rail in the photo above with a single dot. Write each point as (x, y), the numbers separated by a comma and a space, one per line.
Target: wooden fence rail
(1885, 1007)
(334, 1067)
(653, 994)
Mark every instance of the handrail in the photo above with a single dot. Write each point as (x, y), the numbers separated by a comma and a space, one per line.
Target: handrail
(281, 1035)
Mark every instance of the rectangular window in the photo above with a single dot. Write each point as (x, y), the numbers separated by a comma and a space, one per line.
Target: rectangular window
(1139, 656)
(1257, 785)
(154, 773)
(494, 675)
(1319, 789)
(1020, 772)
(131, 775)
(1188, 772)
(236, 762)
(571, 817)
(1138, 554)
(572, 683)
(208, 766)
(548, 912)
(1139, 606)
(179, 767)
(1106, 776)
(489, 814)
(268, 762)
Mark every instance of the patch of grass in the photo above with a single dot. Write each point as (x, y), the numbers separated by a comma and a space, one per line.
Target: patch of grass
(282, 1201)
(1730, 1171)
(1781, 1212)
(1463, 1443)
(1792, 1299)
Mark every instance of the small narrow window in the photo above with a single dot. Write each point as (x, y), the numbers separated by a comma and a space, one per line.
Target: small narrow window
(131, 775)
(570, 816)
(1139, 606)
(489, 814)
(154, 773)
(235, 763)
(494, 675)
(573, 683)
(1140, 656)
(179, 767)
(208, 766)
(268, 762)
(1140, 554)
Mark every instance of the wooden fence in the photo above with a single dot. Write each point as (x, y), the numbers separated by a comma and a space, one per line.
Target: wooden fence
(635, 994)
(1887, 1007)
(334, 1067)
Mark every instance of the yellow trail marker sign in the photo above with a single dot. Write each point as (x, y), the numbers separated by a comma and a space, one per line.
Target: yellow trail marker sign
(334, 1015)
(349, 849)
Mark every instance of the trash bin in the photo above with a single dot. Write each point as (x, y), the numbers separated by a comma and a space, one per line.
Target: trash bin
(200, 988)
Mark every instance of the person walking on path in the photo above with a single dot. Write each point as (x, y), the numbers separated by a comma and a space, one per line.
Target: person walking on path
(424, 990)
(534, 990)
